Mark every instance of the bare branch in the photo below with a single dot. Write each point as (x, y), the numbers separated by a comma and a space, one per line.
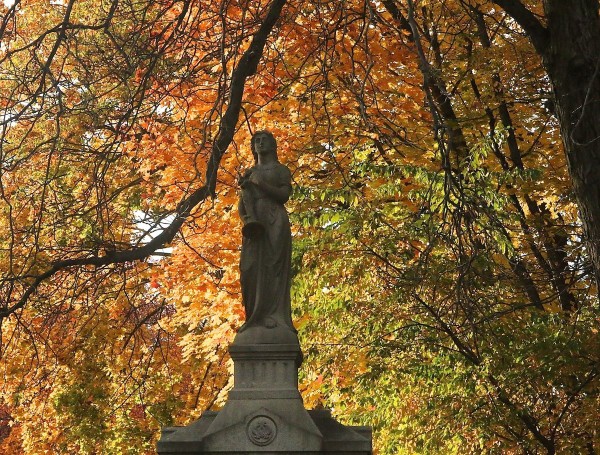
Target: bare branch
(245, 68)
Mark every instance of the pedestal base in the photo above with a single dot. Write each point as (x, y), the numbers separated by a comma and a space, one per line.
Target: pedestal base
(265, 414)
(335, 439)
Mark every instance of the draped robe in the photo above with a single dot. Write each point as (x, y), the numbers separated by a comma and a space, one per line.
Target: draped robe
(265, 264)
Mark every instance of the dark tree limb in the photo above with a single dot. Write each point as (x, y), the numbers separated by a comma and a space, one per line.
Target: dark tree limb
(403, 23)
(538, 34)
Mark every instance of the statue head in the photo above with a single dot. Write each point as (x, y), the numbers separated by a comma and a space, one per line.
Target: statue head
(263, 142)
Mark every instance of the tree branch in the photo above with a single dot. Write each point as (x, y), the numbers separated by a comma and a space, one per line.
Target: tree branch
(245, 68)
(537, 33)
(403, 23)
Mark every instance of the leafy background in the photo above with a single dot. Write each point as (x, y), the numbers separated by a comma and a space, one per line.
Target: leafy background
(442, 288)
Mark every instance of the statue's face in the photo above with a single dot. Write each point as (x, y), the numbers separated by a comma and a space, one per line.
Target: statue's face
(263, 145)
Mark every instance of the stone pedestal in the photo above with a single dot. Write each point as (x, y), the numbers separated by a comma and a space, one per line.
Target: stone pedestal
(264, 413)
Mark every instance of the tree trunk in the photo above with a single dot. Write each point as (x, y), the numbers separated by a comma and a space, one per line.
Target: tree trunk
(572, 59)
(569, 44)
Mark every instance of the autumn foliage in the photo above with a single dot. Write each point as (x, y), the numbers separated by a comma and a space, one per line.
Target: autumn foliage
(444, 268)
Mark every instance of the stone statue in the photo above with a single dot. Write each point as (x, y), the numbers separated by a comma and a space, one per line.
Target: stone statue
(264, 412)
(267, 243)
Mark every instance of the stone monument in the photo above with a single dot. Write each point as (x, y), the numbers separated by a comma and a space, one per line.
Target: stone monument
(264, 413)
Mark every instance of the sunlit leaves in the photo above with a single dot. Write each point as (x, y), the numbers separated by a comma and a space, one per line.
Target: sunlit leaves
(441, 292)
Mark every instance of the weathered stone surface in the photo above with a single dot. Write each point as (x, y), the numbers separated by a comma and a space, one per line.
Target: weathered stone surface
(265, 384)
(336, 438)
(253, 335)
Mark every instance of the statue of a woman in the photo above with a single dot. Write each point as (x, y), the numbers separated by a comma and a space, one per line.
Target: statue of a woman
(267, 245)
